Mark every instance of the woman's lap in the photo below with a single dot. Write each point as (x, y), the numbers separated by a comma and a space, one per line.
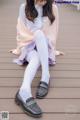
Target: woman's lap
(33, 54)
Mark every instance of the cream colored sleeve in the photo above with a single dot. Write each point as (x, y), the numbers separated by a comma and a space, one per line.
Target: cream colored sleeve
(23, 33)
(55, 25)
(55, 30)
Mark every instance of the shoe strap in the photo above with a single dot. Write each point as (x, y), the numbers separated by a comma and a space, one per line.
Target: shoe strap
(30, 101)
(43, 84)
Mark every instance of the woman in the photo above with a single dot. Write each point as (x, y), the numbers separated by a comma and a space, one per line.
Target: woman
(37, 30)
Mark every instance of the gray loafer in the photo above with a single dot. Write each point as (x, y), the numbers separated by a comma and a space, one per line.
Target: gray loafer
(42, 90)
(30, 107)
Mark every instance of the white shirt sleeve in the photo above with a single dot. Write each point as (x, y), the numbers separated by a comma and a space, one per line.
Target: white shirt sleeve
(21, 12)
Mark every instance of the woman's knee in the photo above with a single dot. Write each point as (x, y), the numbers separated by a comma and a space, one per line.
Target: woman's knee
(33, 56)
(39, 33)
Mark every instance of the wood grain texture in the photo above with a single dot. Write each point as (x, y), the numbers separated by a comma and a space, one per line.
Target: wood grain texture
(63, 99)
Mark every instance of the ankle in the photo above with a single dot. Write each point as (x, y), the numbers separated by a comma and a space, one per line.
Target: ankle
(24, 95)
(46, 78)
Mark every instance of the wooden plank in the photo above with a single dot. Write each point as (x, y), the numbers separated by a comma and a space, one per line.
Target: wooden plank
(67, 61)
(59, 60)
(47, 105)
(10, 46)
(57, 67)
(54, 93)
(69, 51)
(46, 117)
(67, 55)
(63, 98)
(54, 82)
(12, 39)
(54, 74)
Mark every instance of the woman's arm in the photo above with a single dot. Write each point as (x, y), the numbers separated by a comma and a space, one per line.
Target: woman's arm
(55, 29)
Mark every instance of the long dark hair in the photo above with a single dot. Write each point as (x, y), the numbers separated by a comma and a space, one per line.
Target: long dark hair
(31, 12)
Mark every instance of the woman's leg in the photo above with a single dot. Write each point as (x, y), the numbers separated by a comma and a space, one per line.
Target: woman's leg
(30, 71)
(42, 48)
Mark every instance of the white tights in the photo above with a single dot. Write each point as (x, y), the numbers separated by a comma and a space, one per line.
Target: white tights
(36, 58)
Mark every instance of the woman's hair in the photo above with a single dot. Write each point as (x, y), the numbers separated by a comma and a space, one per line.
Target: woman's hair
(31, 12)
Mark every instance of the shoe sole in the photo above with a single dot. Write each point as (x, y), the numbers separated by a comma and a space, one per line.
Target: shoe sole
(28, 113)
(41, 97)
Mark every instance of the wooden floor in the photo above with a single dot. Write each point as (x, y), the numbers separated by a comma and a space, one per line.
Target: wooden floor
(63, 100)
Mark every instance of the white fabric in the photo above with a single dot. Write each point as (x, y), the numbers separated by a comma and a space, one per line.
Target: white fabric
(35, 59)
(26, 28)
(30, 71)
(29, 24)
(39, 57)
(42, 48)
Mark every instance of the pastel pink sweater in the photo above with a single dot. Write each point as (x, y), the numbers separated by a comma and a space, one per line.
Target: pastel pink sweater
(25, 36)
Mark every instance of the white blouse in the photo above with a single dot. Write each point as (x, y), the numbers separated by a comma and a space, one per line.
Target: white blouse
(37, 22)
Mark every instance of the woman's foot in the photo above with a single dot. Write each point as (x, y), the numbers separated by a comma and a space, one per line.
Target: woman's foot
(42, 90)
(30, 107)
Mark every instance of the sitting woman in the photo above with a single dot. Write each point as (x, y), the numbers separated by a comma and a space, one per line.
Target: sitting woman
(37, 30)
